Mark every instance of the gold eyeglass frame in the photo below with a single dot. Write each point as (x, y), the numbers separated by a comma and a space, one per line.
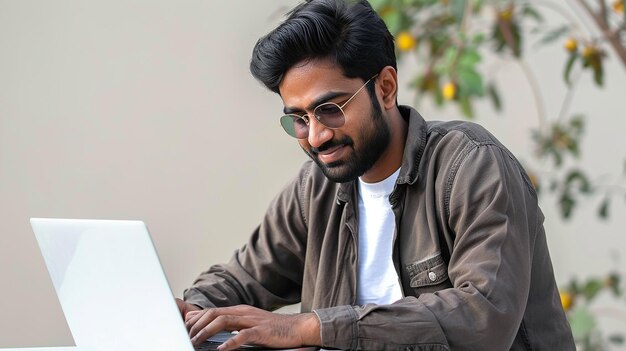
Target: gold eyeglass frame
(306, 117)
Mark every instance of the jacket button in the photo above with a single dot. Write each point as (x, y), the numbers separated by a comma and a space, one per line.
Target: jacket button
(432, 276)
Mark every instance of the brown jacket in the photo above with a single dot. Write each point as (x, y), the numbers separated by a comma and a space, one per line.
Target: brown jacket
(470, 251)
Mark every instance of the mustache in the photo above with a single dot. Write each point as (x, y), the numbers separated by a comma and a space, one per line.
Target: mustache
(346, 140)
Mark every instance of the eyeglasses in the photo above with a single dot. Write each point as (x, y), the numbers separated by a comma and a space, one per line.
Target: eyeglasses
(329, 114)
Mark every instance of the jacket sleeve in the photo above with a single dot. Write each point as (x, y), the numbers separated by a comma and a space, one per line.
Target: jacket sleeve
(494, 214)
(267, 271)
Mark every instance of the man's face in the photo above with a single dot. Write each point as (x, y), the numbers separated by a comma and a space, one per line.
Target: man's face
(349, 151)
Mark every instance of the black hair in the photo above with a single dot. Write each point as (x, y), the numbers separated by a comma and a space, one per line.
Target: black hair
(350, 33)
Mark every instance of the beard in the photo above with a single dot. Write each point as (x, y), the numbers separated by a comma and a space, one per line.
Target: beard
(373, 139)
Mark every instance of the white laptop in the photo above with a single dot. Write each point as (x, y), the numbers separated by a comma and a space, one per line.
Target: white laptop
(111, 286)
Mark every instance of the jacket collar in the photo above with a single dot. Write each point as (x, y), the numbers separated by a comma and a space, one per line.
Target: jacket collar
(413, 150)
(414, 146)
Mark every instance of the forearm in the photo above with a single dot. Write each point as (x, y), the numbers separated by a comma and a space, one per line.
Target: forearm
(406, 323)
(432, 322)
(230, 284)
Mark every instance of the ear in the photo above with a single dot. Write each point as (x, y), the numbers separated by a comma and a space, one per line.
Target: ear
(388, 82)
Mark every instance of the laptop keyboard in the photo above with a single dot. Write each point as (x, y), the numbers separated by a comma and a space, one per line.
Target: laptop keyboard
(217, 339)
(207, 346)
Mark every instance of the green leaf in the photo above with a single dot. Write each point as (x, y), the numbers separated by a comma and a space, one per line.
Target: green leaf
(554, 34)
(553, 185)
(573, 148)
(477, 5)
(617, 339)
(466, 107)
(592, 288)
(575, 175)
(577, 122)
(449, 57)
(598, 74)
(470, 81)
(469, 58)
(624, 6)
(567, 204)
(493, 94)
(529, 11)
(568, 67)
(458, 9)
(603, 212)
(573, 287)
(393, 19)
(613, 281)
(478, 38)
(582, 322)
(438, 95)
(378, 4)
(558, 159)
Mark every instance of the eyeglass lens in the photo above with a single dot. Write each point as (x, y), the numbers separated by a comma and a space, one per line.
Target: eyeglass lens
(329, 114)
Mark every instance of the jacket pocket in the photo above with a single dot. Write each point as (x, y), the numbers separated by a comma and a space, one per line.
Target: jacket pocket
(428, 275)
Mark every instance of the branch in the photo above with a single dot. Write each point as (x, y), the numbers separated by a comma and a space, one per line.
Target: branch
(603, 11)
(601, 22)
(534, 85)
(568, 97)
(507, 34)
(466, 15)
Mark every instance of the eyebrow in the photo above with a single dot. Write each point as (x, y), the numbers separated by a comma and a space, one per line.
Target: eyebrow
(320, 100)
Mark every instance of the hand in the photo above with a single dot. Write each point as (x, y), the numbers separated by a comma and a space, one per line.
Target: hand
(255, 326)
(185, 308)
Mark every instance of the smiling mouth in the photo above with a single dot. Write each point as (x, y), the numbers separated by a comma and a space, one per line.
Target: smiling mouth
(332, 154)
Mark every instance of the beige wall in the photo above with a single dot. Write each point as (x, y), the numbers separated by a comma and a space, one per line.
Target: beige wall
(146, 110)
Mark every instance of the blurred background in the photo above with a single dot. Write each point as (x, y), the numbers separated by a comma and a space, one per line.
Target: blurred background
(146, 110)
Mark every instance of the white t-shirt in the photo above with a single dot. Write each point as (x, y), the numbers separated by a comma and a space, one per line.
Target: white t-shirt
(377, 280)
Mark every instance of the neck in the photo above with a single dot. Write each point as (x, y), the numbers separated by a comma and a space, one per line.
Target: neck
(391, 158)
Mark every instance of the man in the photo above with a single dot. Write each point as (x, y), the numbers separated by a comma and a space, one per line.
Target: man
(399, 234)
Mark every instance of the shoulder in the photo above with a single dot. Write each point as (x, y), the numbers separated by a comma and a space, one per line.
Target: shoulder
(457, 139)
(453, 146)
(464, 131)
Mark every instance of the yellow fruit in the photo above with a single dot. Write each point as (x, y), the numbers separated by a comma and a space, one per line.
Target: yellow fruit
(405, 41)
(533, 179)
(448, 91)
(567, 300)
(507, 14)
(618, 6)
(571, 45)
(589, 51)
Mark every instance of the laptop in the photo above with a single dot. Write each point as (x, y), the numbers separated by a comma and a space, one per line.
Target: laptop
(111, 287)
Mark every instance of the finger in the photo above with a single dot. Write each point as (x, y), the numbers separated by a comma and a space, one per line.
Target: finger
(191, 314)
(239, 310)
(245, 336)
(211, 328)
(199, 319)
(200, 322)
(192, 320)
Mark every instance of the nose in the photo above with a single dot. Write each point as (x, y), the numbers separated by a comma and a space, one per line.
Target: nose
(318, 133)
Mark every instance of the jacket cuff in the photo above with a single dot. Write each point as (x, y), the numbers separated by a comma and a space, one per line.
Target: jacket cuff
(197, 298)
(338, 327)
